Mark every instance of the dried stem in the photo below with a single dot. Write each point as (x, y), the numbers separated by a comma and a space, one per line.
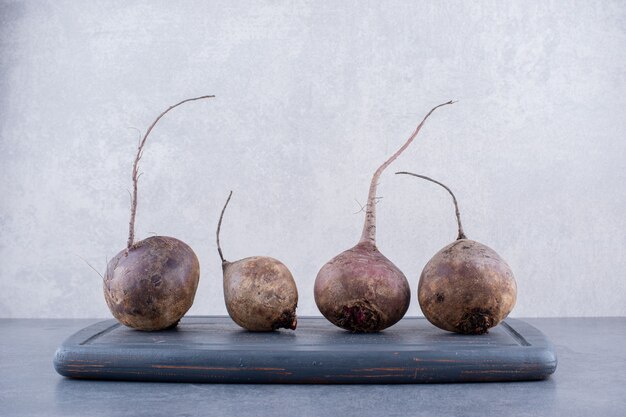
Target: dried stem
(369, 227)
(219, 227)
(456, 205)
(136, 174)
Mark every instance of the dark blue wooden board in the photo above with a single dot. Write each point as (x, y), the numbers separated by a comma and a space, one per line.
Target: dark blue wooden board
(214, 349)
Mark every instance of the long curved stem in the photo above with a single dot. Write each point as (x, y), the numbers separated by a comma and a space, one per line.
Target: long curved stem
(219, 227)
(136, 174)
(456, 205)
(369, 227)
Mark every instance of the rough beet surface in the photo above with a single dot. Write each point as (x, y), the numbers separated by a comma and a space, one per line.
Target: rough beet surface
(260, 294)
(466, 288)
(361, 290)
(153, 284)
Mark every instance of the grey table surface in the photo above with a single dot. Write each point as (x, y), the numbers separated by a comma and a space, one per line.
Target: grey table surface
(590, 380)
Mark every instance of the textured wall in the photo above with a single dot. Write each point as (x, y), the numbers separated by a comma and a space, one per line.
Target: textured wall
(311, 98)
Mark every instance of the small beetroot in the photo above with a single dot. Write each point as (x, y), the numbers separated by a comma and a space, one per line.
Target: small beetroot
(259, 291)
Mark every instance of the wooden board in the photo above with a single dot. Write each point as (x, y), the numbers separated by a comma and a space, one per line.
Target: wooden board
(214, 349)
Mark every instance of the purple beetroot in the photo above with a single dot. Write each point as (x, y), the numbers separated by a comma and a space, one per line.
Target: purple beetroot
(152, 283)
(360, 290)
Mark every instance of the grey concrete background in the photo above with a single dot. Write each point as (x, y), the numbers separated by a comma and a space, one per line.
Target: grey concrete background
(311, 98)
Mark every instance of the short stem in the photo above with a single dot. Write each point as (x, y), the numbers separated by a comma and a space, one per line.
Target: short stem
(369, 227)
(133, 200)
(461, 234)
(219, 227)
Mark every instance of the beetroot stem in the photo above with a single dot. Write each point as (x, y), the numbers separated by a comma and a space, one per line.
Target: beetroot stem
(219, 227)
(456, 205)
(369, 227)
(136, 174)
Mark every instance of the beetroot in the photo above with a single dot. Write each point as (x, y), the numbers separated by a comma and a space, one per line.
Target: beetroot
(466, 287)
(360, 290)
(259, 291)
(152, 283)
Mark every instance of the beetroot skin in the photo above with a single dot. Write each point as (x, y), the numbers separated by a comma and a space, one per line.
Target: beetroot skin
(467, 288)
(361, 290)
(153, 285)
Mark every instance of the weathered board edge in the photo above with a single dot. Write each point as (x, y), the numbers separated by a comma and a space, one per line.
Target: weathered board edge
(534, 361)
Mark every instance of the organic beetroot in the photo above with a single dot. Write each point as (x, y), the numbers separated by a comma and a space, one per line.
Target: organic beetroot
(259, 291)
(466, 287)
(360, 289)
(152, 283)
